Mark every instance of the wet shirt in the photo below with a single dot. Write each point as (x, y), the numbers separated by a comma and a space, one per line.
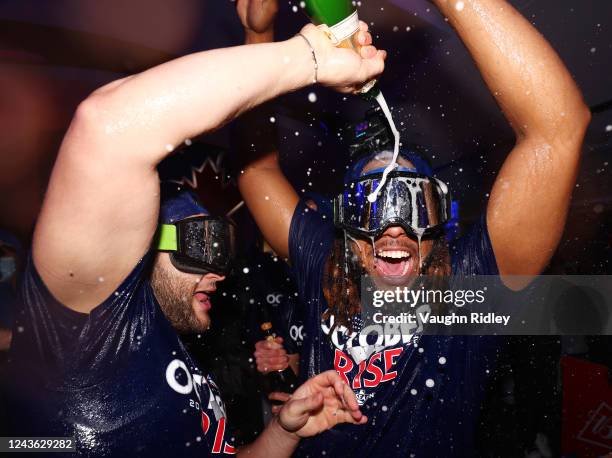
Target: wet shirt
(422, 394)
(119, 379)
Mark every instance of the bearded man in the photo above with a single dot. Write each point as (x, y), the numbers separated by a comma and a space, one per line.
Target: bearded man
(112, 279)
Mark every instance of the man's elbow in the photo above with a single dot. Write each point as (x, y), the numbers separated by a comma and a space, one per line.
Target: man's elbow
(585, 117)
(565, 129)
(104, 111)
(581, 118)
(88, 119)
(573, 125)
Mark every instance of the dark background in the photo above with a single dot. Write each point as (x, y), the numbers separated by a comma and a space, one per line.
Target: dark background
(54, 53)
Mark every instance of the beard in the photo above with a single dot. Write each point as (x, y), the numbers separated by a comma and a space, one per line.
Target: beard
(174, 294)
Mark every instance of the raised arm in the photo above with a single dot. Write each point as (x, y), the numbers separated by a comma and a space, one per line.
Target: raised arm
(529, 201)
(101, 207)
(270, 197)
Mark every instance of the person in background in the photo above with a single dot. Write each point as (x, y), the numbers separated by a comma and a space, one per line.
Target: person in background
(286, 310)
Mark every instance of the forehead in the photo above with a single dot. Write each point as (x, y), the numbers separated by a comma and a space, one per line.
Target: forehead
(384, 161)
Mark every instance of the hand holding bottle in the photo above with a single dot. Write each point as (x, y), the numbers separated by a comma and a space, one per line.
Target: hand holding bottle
(271, 356)
(342, 69)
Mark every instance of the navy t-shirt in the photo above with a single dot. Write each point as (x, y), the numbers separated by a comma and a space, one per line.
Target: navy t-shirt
(422, 395)
(119, 379)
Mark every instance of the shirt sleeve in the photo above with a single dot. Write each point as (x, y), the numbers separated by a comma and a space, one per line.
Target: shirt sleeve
(472, 253)
(310, 240)
(75, 348)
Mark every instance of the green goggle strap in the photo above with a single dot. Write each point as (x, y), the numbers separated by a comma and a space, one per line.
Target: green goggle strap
(166, 237)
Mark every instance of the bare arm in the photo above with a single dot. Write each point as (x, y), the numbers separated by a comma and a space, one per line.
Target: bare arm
(271, 199)
(269, 196)
(100, 211)
(318, 405)
(529, 201)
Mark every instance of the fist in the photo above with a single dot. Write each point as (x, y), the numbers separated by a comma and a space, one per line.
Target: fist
(271, 356)
(345, 70)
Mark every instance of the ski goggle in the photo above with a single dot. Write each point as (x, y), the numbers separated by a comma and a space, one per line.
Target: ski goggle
(199, 245)
(418, 203)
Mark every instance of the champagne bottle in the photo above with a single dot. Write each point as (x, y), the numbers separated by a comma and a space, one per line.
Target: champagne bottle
(342, 23)
(284, 380)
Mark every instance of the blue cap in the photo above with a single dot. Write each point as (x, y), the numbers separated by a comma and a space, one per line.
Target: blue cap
(178, 204)
(420, 165)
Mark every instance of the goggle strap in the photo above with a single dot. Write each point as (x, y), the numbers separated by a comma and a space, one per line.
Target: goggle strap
(166, 237)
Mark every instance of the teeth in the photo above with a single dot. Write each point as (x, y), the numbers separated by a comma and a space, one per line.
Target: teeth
(406, 267)
(395, 254)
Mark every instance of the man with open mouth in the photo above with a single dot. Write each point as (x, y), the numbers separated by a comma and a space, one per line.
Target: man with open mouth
(423, 393)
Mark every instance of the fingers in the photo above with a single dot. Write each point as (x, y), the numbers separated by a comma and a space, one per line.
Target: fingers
(279, 396)
(296, 412)
(303, 406)
(265, 365)
(270, 356)
(348, 400)
(364, 38)
(328, 378)
(346, 395)
(276, 409)
(343, 392)
(345, 70)
(367, 52)
(372, 67)
(363, 26)
(276, 397)
(268, 345)
(350, 419)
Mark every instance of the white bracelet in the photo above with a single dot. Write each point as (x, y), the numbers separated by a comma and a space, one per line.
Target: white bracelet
(314, 57)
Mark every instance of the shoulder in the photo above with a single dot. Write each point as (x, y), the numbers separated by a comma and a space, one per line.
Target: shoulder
(33, 287)
(472, 253)
(311, 233)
